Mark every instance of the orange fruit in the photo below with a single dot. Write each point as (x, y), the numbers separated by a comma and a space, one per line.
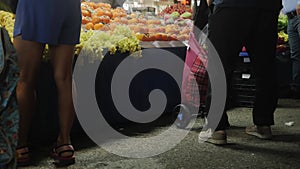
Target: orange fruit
(83, 7)
(158, 36)
(164, 37)
(148, 38)
(108, 13)
(99, 12)
(139, 36)
(92, 4)
(85, 20)
(106, 5)
(104, 19)
(85, 13)
(89, 26)
(95, 19)
(98, 26)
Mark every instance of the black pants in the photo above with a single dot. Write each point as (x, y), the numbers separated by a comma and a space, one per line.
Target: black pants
(229, 30)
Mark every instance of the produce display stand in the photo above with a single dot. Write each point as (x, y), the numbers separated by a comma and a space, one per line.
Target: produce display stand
(100, 18)
(142, 85)
(46, 119)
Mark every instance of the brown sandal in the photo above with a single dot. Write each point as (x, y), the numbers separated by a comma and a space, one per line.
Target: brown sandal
(22, 155)
(59, 159)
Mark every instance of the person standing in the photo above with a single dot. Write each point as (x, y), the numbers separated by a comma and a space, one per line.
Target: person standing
(253, 23)
(292, 9)
(58, 24)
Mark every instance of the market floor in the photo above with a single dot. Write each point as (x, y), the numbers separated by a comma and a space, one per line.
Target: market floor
(243, 151)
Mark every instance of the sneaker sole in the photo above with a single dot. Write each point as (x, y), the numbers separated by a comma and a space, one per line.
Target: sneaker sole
(213, 141)
(259, 135)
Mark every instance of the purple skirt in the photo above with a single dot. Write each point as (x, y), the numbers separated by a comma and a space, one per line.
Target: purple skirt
(49, 21)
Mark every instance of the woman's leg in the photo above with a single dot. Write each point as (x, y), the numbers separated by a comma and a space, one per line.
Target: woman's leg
(62, 58)
(29, 59)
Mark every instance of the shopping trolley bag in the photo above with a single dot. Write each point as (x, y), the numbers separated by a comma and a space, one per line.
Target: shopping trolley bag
(195, 77)
(196, 60)
(194, 94)
(194, 82)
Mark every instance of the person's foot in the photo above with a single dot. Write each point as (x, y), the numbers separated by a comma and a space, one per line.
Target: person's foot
(217, 137)
(23, 157)
(262, 132)
(295, 92)
(63, 155)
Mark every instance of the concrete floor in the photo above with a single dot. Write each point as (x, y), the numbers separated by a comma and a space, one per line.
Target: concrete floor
(243, 151)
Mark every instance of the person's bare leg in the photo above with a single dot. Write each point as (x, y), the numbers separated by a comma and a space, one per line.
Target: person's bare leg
(29, 59)
(62, 58)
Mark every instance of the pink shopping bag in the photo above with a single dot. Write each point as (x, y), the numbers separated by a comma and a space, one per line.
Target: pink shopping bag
(195, 69)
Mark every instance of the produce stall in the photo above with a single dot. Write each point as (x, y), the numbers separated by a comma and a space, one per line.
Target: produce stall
(123, 33)
(105, 28)
(167, 31)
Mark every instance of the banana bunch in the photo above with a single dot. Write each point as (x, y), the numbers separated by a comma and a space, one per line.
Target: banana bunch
(121, 39)
(84, 37)
(7, 21)
(282, 35)
(129, 43)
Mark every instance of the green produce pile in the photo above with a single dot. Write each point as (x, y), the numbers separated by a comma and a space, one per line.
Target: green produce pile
(282, 23)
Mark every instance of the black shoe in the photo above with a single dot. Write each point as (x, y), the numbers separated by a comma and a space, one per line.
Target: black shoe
(262, 132)
(295, 93)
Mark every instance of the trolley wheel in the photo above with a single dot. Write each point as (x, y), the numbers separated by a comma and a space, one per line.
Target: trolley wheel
(183, 116)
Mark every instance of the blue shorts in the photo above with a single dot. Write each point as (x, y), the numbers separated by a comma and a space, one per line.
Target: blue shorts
(49, 21)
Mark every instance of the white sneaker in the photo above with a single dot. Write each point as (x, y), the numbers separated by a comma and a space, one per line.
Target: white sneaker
(217, 137)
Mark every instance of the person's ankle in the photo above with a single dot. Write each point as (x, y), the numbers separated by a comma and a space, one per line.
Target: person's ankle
(63, 140)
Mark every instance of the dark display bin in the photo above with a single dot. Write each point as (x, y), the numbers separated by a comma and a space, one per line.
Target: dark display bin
(45, 124)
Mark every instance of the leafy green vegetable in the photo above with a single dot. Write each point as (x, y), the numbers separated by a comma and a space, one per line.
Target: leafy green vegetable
(282, 23)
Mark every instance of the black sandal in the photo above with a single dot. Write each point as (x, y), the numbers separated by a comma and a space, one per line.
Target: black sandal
(59, 159)
(23, 158)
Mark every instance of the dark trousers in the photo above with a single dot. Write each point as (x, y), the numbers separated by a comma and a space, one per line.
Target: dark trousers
(232, 28)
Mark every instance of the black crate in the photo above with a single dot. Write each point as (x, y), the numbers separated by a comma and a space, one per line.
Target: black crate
(243, 83)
